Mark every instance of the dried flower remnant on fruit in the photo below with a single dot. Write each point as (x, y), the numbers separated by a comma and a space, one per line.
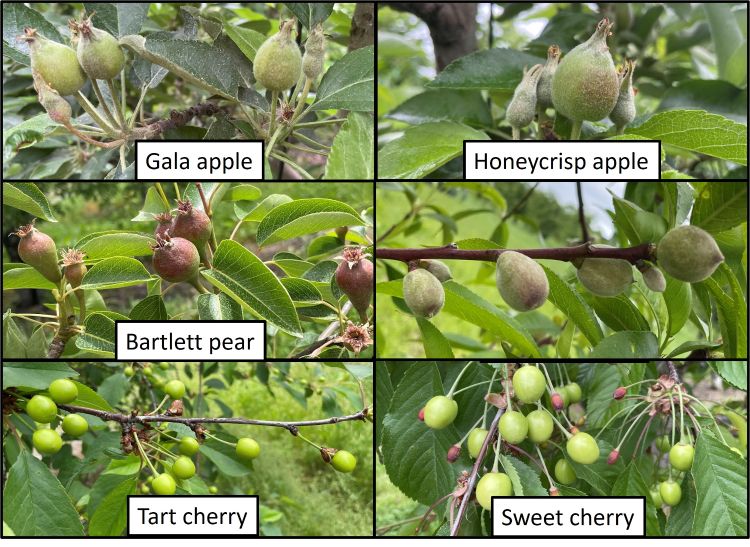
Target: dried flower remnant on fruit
(355, 276)
(55, 63)
(278, 61)
(164, 222)
(39, 251)
(689, 254)
(175, 259)
(521, 281)
(315, 49)
(74, 267)
(522, 107)
(423, 293)
(98, 51)
(355, 337)
(57, 108)
(624, 111)
(585, 85)
(544, 86)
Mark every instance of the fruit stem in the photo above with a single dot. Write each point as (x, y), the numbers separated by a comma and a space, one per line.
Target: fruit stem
(635, 422)
(143, 453)
(198, 287)
(115, 103)
(458, 379)
(160, 449)
(283, 158)
(219, 440)
(309, 141)
(86, 138)
(272, 123)
(516, 131)
(486, 404)
(161, 404)
(718, 430)
(304, 149)
(308, 441)
(541, 116)
(628, 409)
(320, 122)
(91, 111)
(81, 297)
(473, 385)
(138, 107)
(103, 104)
(575, 130)
(302, 100)
(544, 466)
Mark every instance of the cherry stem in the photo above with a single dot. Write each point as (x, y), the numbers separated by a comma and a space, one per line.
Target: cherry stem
(628, 409)
(473, 385)
(143, 453)
(635, 422)
(458, 379)
(644, 251)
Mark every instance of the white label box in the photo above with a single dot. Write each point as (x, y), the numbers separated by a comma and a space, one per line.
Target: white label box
(562, 160)
(208, 516)
(190, 340)
(201, 161)
(557, 516)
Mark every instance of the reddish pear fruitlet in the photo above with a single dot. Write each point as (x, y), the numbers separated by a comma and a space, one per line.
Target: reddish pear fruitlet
(354, 276)
(75, 269)
(164, 224)
(176, 259)
(192, 224)
(39, 251)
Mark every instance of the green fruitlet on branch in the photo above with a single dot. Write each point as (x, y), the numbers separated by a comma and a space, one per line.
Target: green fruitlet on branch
(521, 281)
(247, 448)
(513, 427)
(315, 49)
(528, 384)
(41, 409)
(47, 441)
(564, 472)
(671, 492)
(654, 279)
(39, 251)
(56, 63)
(98, 52)
(354, 276)
(493, 484)
(437, 268)
(522, 107)
(164, 485)
(63, 391)
(540, 425)
(440, 411)
(189, 446)
(585, 85)
(183, 468)
(663, 444)
(175, 259)
(689, 254)
(175, 389)
(605, 276)
(582, 448)
(75, 425)
(574, 392)
(191, 224)
(544, 86)
(624, 111)
(129, 371)
(656, 497)
(476, 440)
(278, 61)
(344, 461)
(681, 456)
(213, 490)
(423, 293)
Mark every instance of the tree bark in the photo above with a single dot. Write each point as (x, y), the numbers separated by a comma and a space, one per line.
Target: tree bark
(452, 27)
(362, 31)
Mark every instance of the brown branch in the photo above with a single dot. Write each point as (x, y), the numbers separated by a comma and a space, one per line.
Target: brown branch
(475, 471)
(521, 203)
(644, 251)
(362, 31)
(146, 418)
(582, 215)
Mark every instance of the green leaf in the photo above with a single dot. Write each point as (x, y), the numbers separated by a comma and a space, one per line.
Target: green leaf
(223, 457)
(120, 18)
(16, 17)
(349, 83)
(247, 280)
(218, 307)
(26, 134)
(679, 300)
(720, 206)
(627, 345)
(152, 206)
(34, 375)
(27, 196)
(111, 515)
(351, 156)
(638, 225)
(619, 313)
(35, 503)
(89, 398)
(305, 216)
(248, 40)
(116, 272)
(99, 335)
(720, 478)
(570, 302)
(116, 243)
(734, 372)
(630, 484)
(436, 346)
(698, 131)
(151, 308)
(260, 210)
(424, 148)
(497, 69)
(437, 105)
(525, 480)
(310, 13)
(24, 277)
(715, 96)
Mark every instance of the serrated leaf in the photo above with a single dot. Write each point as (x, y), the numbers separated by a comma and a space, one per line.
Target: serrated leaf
(349, 83)
(218, 307)
(27, 197)
(351, 156)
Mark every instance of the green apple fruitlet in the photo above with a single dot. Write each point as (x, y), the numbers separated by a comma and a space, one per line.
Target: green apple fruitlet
(564, 472)
(75, 425)
(582, 448)
(42, 409)
(476, 440)
(528, 384)
(183, 468)
(189, 446)
(514, 427)
(439, 412)
(278, 61)
(47, 441)
(63, 391)
(57, 64)
(681, 456)
(247, 448)
(344, 461)
(671, 492)
(164, 485)
(175, 389)
(99, 53)
(493, 484)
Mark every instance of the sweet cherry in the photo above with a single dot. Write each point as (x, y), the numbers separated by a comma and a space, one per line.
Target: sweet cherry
(513, 427)
(440, 411)
(681, 456)
(493, 484)
(540, 425)
(671, 493)
(476, 440)
(528, 384)
(564, 472)
(582, 448)
(574, 392)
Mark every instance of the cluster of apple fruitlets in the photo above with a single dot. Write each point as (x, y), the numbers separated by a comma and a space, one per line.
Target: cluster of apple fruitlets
(687, 253)
(153, 442)
(531, 385)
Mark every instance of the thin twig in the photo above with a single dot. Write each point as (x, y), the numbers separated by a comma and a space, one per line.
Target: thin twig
(582, 215)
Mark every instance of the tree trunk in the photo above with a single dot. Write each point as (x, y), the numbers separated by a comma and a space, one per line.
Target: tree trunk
(452, 26)
(362, 31)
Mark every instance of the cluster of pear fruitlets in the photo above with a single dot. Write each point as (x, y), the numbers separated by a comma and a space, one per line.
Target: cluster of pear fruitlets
(43, 409)
(529, 384)
(584, 85)
(687, 253)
